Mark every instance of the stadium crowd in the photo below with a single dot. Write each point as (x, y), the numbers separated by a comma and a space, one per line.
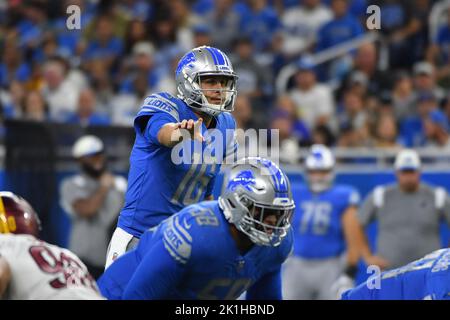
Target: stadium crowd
(388, 94)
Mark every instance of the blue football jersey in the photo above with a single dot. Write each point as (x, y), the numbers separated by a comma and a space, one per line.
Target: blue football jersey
(317, 222)
(161, 180)
(192, 255)
(426, 278)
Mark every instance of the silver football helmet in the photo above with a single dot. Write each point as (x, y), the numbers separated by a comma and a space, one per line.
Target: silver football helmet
(320, 159)
(258, 201)
(198, 64)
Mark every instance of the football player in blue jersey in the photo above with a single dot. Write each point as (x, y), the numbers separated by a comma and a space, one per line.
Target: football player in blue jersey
(214, 249)
(424, 279)
(326, 233)
(199, 118)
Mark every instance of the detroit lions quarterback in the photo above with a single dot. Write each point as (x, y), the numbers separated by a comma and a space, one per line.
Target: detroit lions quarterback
(214, 249)
(32, 269)
(326, 233)
(157, 185)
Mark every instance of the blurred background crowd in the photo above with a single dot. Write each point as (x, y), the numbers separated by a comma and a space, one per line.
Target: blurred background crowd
(302, 66)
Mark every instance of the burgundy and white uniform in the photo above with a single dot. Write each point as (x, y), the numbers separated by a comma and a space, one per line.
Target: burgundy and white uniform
(41, 271)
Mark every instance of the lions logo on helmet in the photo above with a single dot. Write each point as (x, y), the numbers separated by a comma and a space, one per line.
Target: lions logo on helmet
(258, 201)
(319, 168)
(204, 62)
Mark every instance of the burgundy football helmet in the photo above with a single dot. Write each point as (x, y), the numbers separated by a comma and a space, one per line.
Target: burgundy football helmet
(17, 215)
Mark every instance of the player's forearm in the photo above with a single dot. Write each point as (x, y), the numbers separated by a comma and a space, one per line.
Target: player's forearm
(352, 230)
(364, 248)
(5, 276)
(89, 207)
(169, 135)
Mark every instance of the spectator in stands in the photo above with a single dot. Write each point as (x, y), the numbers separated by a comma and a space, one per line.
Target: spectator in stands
(358, 84)
(135, 9)
(259, 22)
(386, 132)
(313, 100)
(348, 137)
(437, 130)
(60, 95)
(243, 112)
(403, 97)
(163, 34)
(101, 82)
(48, 49)
(224, 23)
(255, 80)
(142, 62)
(105, 44)
(355, 116)
(365, 61)
(322, 135)
(411, 127)
(86, 113)
(300, 129)
(202, 35)
(384, 105)
(35, 108)
(418, 36)
(439, 50)
(341, 28)
(408, 213)
(353, 112)
(425, 79)
(275, 57)
(92, 199)
(300, 24)
(402, 24)
(33, 22)
(12, 66)
(289, 147)
(70, 41)
(12, 100)
(185, 20)
(125, 105)
(118, 22)
(136, 32)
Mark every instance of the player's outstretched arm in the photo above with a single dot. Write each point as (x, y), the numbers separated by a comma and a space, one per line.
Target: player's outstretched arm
(5, 275)
(268, 287)
(172, 133)
(156, 277)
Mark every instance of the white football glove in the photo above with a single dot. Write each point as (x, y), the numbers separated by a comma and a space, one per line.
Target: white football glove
(342, 284)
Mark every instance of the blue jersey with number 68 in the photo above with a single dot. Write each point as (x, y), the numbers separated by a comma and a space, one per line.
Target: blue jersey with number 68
(192, 255)
(317, 222)
(163, 180)
(427, 278)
